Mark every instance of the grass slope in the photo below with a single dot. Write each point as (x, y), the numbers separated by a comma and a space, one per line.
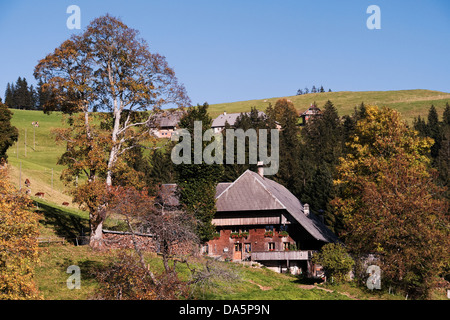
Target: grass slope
(42, 153)
(251, 284)
(41, 156)
(51, 275)
(410, 103)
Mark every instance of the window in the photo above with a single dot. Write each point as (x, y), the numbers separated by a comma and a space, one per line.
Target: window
(269, 231)
(283, 227)
(271, 246)
(286, 246)
(247, 247)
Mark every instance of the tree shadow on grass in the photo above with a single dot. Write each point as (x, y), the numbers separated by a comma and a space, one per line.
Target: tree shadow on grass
(89, 269)
(65, 224)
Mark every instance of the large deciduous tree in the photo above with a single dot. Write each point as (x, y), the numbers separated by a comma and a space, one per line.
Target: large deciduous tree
(390, 204)
(106, 68)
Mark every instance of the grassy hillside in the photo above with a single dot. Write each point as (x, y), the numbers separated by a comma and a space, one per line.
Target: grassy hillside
(42, 153)
(249, 284)
(410, 103)
(38, 158)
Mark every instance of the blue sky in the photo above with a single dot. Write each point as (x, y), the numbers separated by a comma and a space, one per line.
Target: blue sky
(224, 51)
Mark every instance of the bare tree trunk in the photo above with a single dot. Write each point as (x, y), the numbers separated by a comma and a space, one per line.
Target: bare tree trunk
(96, 220)
(96, 239)
(115, 143)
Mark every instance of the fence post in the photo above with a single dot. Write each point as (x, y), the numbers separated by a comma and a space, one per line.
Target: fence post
(25, 142)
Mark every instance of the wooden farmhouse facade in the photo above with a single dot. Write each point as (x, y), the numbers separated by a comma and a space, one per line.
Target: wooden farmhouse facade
(165, 124)
(310, 113)
(259, 220)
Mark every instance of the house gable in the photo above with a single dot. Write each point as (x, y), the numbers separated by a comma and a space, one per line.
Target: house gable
(247, 193)
(252, 192)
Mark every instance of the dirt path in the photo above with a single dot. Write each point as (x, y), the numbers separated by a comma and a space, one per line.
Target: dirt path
(311, 286)
(260, 286)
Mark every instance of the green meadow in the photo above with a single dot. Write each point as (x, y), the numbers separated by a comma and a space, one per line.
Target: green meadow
(410, 103)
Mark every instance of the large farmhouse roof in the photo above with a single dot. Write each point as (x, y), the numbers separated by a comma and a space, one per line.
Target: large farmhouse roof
(253, 192)
(167, 119)
(312, 110)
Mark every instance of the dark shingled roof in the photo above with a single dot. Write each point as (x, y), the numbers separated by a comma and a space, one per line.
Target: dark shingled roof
(253, 192)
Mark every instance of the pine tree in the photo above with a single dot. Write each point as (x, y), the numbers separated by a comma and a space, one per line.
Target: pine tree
(288, 175)
(42, 96)
(446, 115)
(443, 158)
(197, 182)
(8, 133)
(159, 169)
(421, 126)
(322, 146)
(251, 120)
(434, 132)
(20, 95)
(9, 94)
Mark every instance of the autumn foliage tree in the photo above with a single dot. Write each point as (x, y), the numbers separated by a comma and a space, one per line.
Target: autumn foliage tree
(18, 243)
(389, 202)
(106, 68)
(173, 233)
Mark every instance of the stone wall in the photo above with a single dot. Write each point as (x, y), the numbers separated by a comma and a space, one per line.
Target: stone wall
(124, 240)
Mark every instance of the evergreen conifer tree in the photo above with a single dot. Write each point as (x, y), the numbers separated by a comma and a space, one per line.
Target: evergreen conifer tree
(434, 132)
(197, 182)
(8, 133)
(322, 146)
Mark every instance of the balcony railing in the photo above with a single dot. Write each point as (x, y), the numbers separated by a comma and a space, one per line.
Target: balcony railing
(281, 255)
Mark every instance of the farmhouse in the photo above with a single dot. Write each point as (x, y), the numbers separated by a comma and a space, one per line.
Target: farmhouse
(218, 123)
(164, 124)
(259, 220)
(310, 113)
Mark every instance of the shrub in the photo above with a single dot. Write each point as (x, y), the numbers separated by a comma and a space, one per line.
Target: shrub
(336, 261)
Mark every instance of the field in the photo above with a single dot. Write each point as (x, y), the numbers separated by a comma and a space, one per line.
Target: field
(251, 283)
(410, 103)
(35, 157)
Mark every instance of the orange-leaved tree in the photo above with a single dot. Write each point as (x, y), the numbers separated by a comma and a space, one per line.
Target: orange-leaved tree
(390, 204)
(18, 243)
(107, 68)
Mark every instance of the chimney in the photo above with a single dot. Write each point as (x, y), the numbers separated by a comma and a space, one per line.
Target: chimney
(306, 209)
(261, 168)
